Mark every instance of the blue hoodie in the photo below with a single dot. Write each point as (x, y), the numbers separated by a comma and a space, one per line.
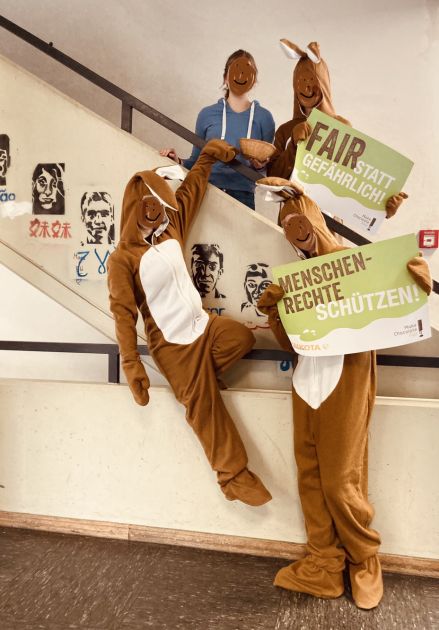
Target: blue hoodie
(209, 125)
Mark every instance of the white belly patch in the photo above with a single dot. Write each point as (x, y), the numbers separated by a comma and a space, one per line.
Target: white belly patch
(174, 302)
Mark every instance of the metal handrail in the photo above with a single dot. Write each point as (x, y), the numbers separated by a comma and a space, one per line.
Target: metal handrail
(130, 102)
(112, 352)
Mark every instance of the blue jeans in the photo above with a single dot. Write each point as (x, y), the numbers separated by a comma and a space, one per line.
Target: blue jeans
(244, 196)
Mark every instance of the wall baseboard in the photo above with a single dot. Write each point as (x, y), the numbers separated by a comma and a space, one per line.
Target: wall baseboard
(407, 565)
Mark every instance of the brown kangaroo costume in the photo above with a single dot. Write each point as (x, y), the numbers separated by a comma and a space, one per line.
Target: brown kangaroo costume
(311, 90)
(147, 272)
(331, 438)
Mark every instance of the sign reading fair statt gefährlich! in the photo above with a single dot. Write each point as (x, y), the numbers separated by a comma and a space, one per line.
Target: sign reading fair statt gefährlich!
(354, 300)
(348, 173)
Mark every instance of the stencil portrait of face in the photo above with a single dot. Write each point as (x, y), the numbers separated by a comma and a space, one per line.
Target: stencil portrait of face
(5, 158)
(48, 189)
(241, 76)
(97, 214)
(255, 282)
(207, 268)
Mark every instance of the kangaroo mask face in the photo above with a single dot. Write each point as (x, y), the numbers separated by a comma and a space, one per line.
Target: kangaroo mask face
(306, 87)
(299, 232)
(150, 213)
(241, 76)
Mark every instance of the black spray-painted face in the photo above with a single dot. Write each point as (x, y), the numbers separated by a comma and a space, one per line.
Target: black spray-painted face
(150, 213)
(256, 281)
(306, 88)
(4, 162)
(241, 76)
(46, 187)
(300, 232)
(98, 219)
(206, 271)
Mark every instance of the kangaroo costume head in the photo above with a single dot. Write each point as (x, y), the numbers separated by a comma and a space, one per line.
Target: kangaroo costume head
(301, 218)
(146, 203)
(311, 83)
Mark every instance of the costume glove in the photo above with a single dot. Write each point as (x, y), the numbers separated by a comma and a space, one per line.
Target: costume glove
(220, 150)
(420, 272)
(301, 131)
(393, 203)
(137, 380)
(267, 303)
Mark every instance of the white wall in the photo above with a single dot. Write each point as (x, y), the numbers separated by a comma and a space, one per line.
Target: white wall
(88, 451)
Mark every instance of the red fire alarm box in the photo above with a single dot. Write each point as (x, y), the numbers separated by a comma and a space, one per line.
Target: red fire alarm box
(429, 239)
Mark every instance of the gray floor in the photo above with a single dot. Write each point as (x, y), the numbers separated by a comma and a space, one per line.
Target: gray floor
(55, 582)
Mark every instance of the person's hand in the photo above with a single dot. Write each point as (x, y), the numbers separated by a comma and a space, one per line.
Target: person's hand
(257, 164)
(137, 380)
(420, 272)
(170, 153)
(301, 131)
(393, 203)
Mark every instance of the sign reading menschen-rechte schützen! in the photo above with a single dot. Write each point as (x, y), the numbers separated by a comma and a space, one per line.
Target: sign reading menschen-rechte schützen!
(354, 300)
(348, 173)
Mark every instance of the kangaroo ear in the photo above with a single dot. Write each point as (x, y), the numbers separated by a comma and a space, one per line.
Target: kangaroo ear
(313, 52)
(291, 50)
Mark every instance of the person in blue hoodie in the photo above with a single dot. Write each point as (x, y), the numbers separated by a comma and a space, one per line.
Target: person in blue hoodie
(233, 117)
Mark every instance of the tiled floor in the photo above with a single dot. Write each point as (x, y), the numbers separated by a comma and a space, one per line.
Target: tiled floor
(55, 582)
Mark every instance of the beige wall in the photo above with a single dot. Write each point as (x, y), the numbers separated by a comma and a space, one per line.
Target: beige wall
(88, 451)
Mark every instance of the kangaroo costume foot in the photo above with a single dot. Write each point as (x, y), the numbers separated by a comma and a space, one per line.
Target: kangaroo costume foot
(248, 488)
(306, 576)
(366, 583)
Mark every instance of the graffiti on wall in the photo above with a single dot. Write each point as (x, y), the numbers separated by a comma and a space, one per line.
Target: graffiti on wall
(50, 231)
(97, 216)
(256, 280)
(5, 158)
(48, 189)
(90, 262)
(207, 267)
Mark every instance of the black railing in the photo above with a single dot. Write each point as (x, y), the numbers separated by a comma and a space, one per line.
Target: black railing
(112, 352)
(130, 102)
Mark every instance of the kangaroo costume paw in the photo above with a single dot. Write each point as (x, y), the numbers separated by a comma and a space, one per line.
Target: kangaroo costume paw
(301, 131)
(366, 583)
(220, 150)
(248, 488)
(420, 271)
(393, 203)
(138, 381)
(306, 576)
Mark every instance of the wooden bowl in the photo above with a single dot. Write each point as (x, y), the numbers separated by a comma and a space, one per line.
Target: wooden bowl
(256, 149)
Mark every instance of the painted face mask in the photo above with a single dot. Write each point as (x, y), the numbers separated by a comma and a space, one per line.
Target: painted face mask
(300, 232)
(307, 88)
(241, 76)
(150, 213)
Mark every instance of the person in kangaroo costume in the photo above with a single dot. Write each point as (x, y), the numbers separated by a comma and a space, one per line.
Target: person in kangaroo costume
(147, 272)
(311, 90)
(333, 399)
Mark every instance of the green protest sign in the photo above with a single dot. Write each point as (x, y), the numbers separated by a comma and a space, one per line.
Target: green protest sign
(348, 173)
(357, 299)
